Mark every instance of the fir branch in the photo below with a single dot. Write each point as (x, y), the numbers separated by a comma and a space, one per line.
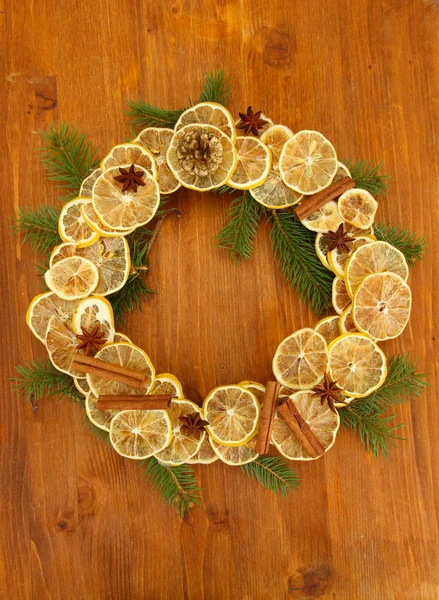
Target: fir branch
(144, 115)
(294, 251)
(216, 88)
(273, 473)
(40, 227)
(366, 175)
(67, 157)
(39, 378)
(41, 267)
(177, 485)
(132, 295)
(224, 189)
(411, 246)
(239, 234)
(138, 242)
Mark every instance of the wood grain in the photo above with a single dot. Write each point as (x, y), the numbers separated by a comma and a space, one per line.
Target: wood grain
(77, 520)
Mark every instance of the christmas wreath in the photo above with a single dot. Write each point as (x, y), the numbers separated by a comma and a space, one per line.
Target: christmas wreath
(325, 239)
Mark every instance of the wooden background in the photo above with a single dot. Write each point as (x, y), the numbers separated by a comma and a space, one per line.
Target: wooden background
(77, 520)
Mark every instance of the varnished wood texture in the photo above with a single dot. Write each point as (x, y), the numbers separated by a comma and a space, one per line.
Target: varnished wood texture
(77, 520)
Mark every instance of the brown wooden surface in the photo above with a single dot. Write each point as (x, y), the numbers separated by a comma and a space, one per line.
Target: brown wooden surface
(77, 520)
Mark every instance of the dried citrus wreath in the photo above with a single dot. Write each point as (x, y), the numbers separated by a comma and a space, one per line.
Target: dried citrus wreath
(316, 370)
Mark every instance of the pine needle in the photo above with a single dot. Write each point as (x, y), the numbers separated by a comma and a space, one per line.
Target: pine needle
(131, 296)
(273, 473)
(411, 246)
(238, 235)
(39, 378)
(293, 247)
(40, 227)
(67, 157)
(177, 485)
(366, 175)
(216, 88)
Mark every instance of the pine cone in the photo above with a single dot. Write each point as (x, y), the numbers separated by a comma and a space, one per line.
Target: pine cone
(200, 152)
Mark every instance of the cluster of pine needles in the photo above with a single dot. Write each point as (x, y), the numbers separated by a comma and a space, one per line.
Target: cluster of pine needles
(68, 158)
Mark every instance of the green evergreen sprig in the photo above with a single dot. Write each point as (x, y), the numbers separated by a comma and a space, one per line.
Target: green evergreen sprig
(216, 88)
(39, 226)
(411, 246)
(294, 251)
(67, 157)
(273, 473)
(39, 378)
(367, 176)
(177, 485)
(131, 296)
(239, 234)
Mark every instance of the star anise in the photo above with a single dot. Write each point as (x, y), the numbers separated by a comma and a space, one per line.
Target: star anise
(192, 423)
(338, 239)
(251, 122)
(130, 178)
(91, 340)
(329, 392)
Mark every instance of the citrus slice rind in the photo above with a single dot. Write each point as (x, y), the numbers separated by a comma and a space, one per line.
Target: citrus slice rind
(166, 383)
(61, 345)
(157, 140)
(327, 218)
(205, 455)
(92, 311)
(72, 278)
(121, 337)
(301, 359)
(42, 308)
(328, 328)
(201, 157)
(233, 414)
(139, 434)
(130, 154)
(356, 364)
(308, 162)
(340, 297)
(338, 257)
(235, 456)
(208, 113)
(253, 163)
(381, 306)
(274, 194)
(112, 259)
(125, 210)
(358, 207)
(323, 422)
(100, 418)
(184, 444)
(275, 138)
(72, 226)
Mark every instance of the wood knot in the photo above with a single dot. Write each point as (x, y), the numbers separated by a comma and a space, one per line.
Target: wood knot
(218, 516)
(45, 93)
(63, 526)
(278, 47)
(308, 582)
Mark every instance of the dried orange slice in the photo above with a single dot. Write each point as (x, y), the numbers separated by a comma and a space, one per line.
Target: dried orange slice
(201, 157)
(356, 364)
(323, 422)
(253, 166)
(382, 305)
(328, 328)
(327, 218)
(208, 113)
(61, 345)
(235, 455)
(72, 226)
(273, 193)
(112, 259)
(100, 418)
(42, 308)
(338, 257)
(92, 311)
(308, 162)
(139, 434)
(72, 278)
(377, 257)
(358, 207)
(184, 444)
(340, 296)
(275, 138)
(301, 359)
(166, 383)
(130, 154)
(346, 322)
(157, 140)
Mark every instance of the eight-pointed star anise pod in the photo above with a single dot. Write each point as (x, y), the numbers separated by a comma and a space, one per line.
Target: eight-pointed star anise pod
(192, 423)
(91, 340)
(200, 152)
(329, 392)
(251, 122)
(338, 239)
(130, 178)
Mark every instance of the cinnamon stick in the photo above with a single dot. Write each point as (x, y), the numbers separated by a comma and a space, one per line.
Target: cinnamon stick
(301, 429)
(134, 402)
(267, 416)
(312, 203)
(105, 374)
(102, 364)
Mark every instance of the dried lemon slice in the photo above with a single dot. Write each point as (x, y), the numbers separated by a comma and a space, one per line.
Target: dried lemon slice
(100, 418)
(273, 193)
(130, 154)
(42, 308)
(112, 259)
(322, 248)
(205, 455)
(253, 166)
(323, 422)
(184, 443)
(358, 207)
(121, 337)
(377, 257)
(346, 322)
(342, 171)
(257, 388)
(232, 413)
(88, 183)
(92, 219)
(328, 328)
(61, 345)
(356, 364)
(301, 359)
(338, 257)
(125, 210)
(235, 455)
(81, 385)
(129, 356)
(92, 311)
(72, 226)
(72, 278)
(308, 162)
(340, 296)
(382, 305)
(64, 250)
(275, 138)
(139, 434)
(166, 383)
(157, 140)
(201, 157)
(208, 113)
(327, 218)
